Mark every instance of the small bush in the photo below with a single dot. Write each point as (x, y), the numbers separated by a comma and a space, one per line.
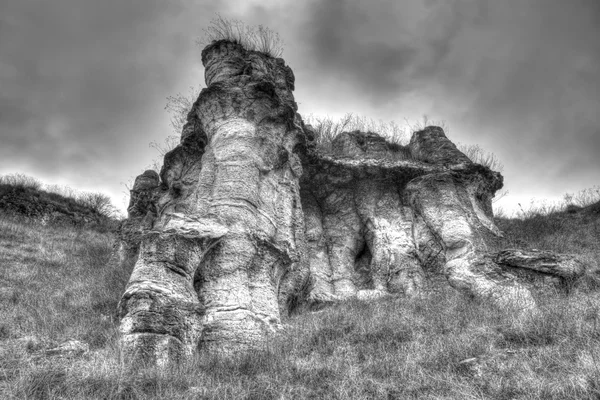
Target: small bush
(98, 202)
(178, 106)
(60, 190)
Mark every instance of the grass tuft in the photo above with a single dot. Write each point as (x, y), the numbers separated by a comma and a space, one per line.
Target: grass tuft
(255, 38)
(326, 131)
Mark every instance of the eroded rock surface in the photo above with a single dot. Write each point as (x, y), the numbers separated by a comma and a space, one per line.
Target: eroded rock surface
(248, 219)
(140, 214)
(383, 219)
(228, 225)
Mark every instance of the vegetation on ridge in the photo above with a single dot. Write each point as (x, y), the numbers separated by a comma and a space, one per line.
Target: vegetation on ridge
(26, 197)
(327, 129)
(257, 38)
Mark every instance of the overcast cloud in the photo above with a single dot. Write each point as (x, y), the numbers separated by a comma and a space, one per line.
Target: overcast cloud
(83, 83)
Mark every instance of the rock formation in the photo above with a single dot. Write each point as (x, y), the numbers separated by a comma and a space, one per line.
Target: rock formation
(227, 221)
(383, 219)
(248, 218)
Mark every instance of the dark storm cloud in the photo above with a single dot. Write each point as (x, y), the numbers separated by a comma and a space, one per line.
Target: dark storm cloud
(384, 47)
(339, 45)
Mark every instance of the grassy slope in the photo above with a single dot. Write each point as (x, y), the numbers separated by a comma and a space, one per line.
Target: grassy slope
(55, 287)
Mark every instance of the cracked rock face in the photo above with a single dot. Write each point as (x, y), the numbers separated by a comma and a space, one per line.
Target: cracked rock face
(247, 219)
(387, 218)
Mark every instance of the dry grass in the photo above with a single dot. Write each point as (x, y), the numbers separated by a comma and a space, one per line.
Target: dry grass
(20, 180)
(480, 156)
(419, 125)
(56, 287)
(390, 349)
(257, 38)
(326, 130)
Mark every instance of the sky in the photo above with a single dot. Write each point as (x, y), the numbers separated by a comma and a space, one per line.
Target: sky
(83, 83)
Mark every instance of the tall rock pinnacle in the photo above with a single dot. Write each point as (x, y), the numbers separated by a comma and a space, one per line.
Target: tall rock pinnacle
(228, 224)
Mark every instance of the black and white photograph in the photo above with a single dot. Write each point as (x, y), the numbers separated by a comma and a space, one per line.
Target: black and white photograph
(320, 199)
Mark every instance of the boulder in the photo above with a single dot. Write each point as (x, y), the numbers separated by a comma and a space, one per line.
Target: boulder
(541, 268)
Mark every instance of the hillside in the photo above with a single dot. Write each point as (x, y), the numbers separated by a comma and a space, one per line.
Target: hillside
(25, 198)
(59, 334)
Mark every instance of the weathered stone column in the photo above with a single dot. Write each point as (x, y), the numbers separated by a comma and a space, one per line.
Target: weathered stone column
(229, 227)
(394, 265)
(250, 184)
(456, 206)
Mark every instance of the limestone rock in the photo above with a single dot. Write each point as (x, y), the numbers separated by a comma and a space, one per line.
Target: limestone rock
(248, 219)
(380, 222)
(140, 214)
(221, 244)
(541, 268)
(432, 146)
(548, 262)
